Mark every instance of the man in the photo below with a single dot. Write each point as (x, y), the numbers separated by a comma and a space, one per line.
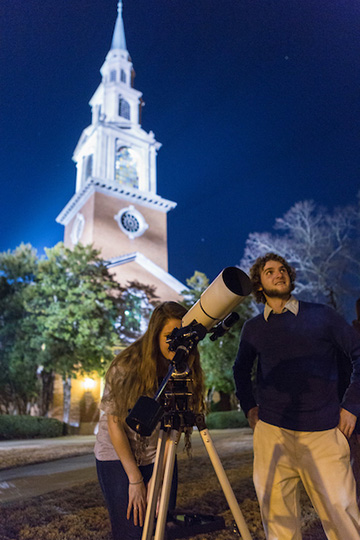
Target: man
(300, 428)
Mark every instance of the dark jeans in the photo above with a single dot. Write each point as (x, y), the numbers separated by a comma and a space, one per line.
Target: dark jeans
(114, 484)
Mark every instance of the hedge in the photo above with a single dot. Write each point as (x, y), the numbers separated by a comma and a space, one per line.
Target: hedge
(29, 427)
(226, 420)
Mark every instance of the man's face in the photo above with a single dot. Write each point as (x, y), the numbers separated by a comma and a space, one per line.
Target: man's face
(275, 280)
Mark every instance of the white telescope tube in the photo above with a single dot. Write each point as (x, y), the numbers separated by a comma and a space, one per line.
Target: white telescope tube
(227, 291)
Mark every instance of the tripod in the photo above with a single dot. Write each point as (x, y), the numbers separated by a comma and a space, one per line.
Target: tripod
(176, 415)
(172, 427)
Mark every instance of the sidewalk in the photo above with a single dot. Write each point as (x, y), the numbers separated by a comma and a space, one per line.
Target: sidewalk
(34, 480)
(51, 472)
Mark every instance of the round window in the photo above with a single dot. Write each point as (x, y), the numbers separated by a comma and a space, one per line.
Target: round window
(131, 222)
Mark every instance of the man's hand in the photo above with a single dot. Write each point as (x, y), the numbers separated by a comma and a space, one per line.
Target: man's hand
(253, 417)
(347, 422)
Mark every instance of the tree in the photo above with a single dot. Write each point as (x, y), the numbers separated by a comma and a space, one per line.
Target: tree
(323, 247)
(75, 303)
(19, 383)
(217, 357)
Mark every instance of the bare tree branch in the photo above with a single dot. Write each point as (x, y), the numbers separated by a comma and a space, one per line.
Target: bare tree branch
(323, 247)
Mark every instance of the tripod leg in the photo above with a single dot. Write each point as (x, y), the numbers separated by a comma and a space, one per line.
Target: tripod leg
(165, 494)
(154, 487)
(225, 484)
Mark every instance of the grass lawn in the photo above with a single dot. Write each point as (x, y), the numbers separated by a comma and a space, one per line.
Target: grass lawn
(79, 513)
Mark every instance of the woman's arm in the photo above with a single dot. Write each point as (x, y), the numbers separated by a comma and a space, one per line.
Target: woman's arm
(137, 490)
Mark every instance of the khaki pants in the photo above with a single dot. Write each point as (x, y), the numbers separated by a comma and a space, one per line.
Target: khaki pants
(320, 460)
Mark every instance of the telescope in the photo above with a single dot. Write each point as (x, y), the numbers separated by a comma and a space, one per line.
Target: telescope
(209, 313)
(223, 295)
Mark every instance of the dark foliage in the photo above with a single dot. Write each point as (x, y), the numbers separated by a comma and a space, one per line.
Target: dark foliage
(226, 420)
(29, 427)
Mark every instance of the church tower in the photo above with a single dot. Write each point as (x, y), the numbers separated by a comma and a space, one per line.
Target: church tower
(116, 206)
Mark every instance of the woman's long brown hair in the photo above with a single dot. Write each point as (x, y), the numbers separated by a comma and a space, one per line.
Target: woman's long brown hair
(135, 371)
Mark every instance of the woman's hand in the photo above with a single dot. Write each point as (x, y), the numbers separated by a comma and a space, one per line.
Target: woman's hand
(137, 503)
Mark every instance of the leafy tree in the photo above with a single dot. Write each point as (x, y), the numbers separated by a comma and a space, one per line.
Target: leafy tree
(75, 304)
(217, 357)
(323, 247)
(19, 384)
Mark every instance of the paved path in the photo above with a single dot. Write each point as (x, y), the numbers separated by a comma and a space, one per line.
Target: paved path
(33, 480)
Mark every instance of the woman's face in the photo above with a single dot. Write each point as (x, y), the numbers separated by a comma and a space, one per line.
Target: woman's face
(164, 334)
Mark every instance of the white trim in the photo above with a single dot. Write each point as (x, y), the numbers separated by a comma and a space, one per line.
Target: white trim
(144, 198)
(151, 267)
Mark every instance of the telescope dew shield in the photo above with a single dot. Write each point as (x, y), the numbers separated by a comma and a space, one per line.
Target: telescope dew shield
(226, 292)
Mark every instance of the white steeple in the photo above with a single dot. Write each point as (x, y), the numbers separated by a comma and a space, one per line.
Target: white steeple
(114, 151)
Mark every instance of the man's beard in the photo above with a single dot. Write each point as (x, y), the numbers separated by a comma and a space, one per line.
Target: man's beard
(274, 293)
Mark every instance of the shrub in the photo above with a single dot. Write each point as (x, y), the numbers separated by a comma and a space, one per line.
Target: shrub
(29, 427)
(226, 420)
(215, 406)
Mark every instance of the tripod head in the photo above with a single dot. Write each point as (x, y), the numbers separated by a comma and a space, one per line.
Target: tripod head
(183, 340)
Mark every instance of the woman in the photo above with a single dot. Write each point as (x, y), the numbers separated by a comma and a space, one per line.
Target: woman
(124, 459)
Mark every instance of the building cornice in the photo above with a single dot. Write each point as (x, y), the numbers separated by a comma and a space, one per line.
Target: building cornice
(96, 185)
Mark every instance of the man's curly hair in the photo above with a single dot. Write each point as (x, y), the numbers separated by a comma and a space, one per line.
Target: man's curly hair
(256, 269)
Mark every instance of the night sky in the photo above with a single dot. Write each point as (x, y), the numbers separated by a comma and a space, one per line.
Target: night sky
(256, 104)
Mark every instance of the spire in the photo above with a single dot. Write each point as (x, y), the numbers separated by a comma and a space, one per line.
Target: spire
(118, 41)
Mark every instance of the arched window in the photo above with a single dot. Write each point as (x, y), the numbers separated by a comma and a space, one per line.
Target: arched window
(124, 108)
(126, 167)
(122, 76)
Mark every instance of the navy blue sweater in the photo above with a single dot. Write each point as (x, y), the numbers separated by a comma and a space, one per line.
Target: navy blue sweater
(297, 373)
